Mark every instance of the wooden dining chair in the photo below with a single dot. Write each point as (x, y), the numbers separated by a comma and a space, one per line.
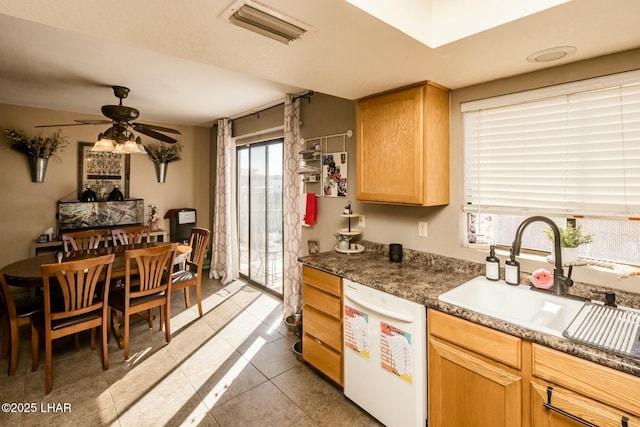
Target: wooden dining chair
(14, 315)
(83, 240)
(191, 274)
(84, 285)
(149, 288)
(130, 235)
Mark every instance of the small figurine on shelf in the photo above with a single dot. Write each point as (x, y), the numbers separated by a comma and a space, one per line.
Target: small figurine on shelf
(153, 220)
(347, 209)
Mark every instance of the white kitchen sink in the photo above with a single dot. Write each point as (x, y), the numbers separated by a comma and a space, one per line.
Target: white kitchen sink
(516, 304)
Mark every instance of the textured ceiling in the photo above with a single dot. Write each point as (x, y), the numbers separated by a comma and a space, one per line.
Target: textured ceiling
(185, 65)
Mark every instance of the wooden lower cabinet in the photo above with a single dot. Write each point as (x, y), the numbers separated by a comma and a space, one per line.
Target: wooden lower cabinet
(585, 390)
(482, 377)
(572, 405)
(322, 322)
(469, 389)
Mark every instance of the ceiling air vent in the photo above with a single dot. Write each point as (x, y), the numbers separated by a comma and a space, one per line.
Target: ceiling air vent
(258, 18)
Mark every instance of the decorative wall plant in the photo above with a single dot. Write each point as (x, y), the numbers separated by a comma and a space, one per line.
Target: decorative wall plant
(161, 155)
(38, 149)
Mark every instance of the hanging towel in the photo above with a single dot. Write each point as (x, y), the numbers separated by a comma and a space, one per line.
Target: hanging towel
(311, 210)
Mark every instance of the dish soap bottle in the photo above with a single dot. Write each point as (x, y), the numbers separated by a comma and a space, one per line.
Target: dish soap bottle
(512, 270)
(492, 265)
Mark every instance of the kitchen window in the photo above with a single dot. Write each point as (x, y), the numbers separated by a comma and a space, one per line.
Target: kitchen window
(566, 151)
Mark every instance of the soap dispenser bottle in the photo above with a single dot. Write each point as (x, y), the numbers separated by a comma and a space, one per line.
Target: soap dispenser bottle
(512, 270)
(492, 265)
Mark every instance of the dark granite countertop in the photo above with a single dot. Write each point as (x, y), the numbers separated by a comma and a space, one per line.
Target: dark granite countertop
(422, 277)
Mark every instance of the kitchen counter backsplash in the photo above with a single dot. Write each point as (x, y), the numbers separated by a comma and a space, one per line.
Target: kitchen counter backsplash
(421, 277)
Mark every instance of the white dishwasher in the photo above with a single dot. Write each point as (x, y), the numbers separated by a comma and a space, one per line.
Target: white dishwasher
(385, 355)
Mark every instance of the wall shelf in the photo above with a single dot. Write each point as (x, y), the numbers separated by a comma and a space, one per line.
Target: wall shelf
(311, 154)
(350, 232)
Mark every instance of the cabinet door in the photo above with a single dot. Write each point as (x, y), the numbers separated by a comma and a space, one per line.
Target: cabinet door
(573, 405)
(402, 147)
(466, 389)
(389, 151)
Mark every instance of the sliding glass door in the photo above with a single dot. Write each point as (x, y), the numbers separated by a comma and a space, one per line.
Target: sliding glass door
(259, 188)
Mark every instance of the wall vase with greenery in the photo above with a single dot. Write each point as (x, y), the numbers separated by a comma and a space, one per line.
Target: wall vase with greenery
(162, 155)
(37, 150)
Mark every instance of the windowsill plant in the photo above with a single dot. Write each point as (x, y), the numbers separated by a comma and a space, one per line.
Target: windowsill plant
(571, 237)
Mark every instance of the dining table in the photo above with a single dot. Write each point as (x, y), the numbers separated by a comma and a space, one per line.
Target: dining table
(27, 272)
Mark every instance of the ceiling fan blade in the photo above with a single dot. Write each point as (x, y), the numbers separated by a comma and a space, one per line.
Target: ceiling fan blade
(137, 127)
(78, 123)
(94, 122)
(156, 135)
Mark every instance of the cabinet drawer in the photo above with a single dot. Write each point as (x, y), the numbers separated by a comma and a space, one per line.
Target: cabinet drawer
(322, 358)
(327, 303)
(480, 339)
(599, 382)
(321, 280)
(327, 329)
(575, 404)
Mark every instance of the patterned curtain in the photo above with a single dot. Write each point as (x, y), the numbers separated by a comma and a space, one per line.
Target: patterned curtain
(291, 208)
(222, 265)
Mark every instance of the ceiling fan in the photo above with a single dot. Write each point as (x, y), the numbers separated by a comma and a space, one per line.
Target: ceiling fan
(121, 117)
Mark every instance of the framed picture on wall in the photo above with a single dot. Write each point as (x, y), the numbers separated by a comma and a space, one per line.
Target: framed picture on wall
(102, 171)
(313, 247)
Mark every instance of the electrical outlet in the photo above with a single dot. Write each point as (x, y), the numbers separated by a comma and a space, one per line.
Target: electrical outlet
(361, 221)
(422, 228)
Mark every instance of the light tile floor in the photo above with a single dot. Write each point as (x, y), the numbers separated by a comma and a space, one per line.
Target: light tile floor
(232, 367)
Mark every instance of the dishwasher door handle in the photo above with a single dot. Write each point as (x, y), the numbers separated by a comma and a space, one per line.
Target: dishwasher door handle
(392, 314)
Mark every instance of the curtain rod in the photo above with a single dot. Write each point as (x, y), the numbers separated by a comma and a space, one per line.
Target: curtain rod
(307, 95)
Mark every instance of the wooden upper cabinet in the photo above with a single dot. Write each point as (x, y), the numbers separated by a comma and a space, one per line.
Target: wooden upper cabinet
(402, 146)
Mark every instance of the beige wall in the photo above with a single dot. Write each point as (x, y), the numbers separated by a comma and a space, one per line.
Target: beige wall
(328, 115)
(27, 208)
(399, 224)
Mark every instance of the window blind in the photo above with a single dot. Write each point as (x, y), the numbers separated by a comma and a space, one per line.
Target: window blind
(565, 150)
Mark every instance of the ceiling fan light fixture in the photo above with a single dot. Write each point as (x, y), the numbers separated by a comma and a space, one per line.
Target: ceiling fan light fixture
(103, 144)
(258, 18)
(130, 147)
(140, 146)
